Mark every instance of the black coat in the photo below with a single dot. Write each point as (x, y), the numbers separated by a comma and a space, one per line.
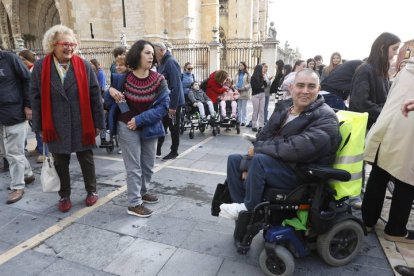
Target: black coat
(311, 138)
(14, 89)
(368, 93)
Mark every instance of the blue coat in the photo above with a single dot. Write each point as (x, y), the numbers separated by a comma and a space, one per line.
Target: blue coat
(150, 120)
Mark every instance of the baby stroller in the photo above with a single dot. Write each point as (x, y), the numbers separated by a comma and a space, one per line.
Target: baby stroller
(226, 122)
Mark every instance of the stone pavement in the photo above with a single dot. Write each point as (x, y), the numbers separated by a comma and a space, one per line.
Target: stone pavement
(181, 238)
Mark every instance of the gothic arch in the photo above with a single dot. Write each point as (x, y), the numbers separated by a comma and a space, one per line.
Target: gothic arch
(47, 16)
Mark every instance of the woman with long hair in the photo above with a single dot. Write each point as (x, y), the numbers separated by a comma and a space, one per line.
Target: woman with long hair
(242, 81)
(334, 61)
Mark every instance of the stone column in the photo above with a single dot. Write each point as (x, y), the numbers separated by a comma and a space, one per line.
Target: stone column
(214, 57)
(269, 55)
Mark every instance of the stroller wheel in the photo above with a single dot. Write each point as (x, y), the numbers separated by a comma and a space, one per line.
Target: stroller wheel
(341, 244)
(202, 128)
(281, 263)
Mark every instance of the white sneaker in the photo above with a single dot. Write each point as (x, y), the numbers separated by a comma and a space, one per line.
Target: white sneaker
(231, 211)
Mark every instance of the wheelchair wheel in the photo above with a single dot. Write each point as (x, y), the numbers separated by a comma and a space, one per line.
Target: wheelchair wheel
(202, 128)
(281, 264)
(238, 130)
(218, 130)
(214, 131)
(191, 134)
(341, 244)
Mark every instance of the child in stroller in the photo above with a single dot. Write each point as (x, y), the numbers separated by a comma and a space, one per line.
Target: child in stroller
(198, 98)
(230, 96)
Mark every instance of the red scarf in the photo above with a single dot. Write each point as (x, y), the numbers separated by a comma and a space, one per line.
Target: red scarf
(48, 129)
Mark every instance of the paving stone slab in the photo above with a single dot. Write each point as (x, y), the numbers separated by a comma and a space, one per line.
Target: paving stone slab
(64, 268)
(193, 185)
(88, 245)
(191, 210)
(4, 246)
(159, 228)
(222, 244)
(189, 263)
(28, 263)
(23, 226)
(142, 257)
(238, 269)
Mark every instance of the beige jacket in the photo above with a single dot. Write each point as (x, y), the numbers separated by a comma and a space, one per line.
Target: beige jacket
(246, 90)
(394, 132)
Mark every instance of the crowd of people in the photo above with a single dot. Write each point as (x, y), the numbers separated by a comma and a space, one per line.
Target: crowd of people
(67, 100)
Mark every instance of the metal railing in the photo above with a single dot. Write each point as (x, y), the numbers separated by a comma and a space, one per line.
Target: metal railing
(195, 52)
(234, 51)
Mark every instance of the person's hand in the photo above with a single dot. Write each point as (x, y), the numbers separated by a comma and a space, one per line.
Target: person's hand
(171, 112)
(250, 151)
(132, 124)
(244, 175)
(195, 104)
(97, 131)
(28, 113)
(116, 95)
(407, 106)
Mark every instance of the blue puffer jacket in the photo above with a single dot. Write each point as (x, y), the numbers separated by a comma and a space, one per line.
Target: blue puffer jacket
(150, 120)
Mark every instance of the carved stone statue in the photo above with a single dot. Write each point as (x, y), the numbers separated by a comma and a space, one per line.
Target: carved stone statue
(272, 31)
(123, 39)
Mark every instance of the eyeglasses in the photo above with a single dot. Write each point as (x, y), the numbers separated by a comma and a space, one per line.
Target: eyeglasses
(66, 45)
(190, 69)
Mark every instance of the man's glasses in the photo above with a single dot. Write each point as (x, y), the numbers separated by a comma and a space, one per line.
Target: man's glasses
(66, 45)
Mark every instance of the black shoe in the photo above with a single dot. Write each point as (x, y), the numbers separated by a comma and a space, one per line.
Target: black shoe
(404, 270)
(254, 129)
(171, 155)
(242, 124)
(249, 124)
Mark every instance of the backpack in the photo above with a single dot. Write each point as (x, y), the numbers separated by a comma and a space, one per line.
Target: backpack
(203, 85)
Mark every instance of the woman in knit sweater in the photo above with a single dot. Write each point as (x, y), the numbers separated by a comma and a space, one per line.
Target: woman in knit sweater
(139, 126)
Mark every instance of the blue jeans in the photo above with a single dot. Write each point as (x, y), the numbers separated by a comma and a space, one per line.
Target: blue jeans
(39, 146)
(242, 111)
(263, 170)
(334, 101)
(139, 159)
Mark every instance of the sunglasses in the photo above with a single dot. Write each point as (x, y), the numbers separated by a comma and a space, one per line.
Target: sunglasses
(190, 68)
(66, 44)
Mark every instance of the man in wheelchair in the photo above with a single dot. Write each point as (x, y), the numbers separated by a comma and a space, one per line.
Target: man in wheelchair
(302, 130)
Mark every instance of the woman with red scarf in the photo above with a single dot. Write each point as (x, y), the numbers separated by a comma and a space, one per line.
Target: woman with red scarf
(67, 109)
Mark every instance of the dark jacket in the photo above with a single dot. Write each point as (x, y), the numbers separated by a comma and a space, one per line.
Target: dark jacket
(14, 89)
(311, 138)
(198, 96)
(66, 114)
(150, 120)
(339, 81)
(258, 86)
(171, 70)
(368, 93)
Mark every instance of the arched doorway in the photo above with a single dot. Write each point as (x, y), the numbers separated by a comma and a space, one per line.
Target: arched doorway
(6, 32)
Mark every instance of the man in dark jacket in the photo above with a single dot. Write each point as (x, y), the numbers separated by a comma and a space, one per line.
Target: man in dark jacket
(336, 87)
(303, 130)
(14, 111)
(169, 67)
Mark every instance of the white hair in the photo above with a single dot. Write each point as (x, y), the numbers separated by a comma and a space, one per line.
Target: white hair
(159, 45)
(51, 36)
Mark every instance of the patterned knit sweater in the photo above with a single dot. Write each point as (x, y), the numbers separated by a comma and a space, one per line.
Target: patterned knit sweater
(140, 94)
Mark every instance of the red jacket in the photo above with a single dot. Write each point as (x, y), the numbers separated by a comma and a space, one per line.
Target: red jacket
(214, 89)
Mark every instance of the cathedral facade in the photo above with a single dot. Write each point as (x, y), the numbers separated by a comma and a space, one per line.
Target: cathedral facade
(101, 22)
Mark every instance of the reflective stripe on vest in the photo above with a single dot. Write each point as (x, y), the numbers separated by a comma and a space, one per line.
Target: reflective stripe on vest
(349, 156)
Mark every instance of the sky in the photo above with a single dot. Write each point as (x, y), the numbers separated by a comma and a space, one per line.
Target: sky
(345, 26)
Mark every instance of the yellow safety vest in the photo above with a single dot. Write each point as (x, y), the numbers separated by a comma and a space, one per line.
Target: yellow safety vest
(349, 156)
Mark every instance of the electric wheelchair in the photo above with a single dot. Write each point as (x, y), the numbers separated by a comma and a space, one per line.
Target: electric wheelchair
(294, 222)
